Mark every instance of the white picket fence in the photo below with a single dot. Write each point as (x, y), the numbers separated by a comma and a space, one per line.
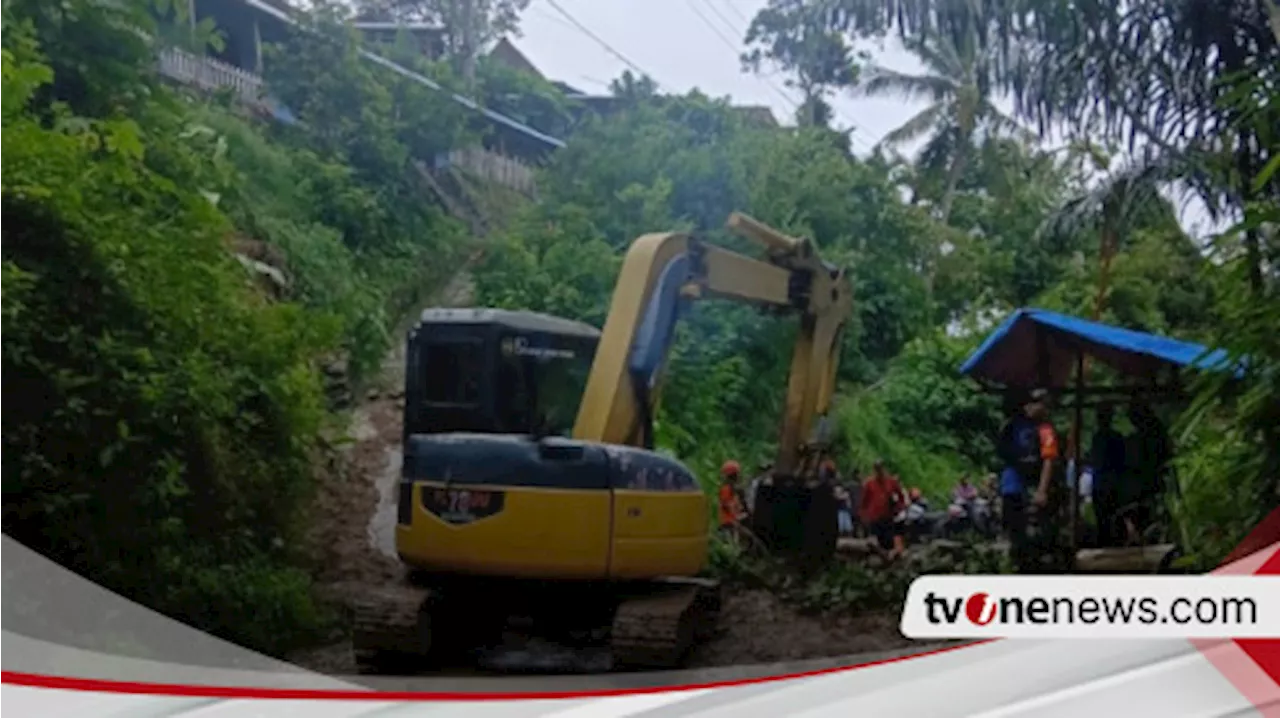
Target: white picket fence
(210, 75)
(494, 167)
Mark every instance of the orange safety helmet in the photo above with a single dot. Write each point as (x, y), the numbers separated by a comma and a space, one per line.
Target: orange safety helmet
(730, 468)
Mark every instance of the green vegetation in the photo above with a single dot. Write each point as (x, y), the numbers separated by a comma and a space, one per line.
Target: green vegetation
(157, 385)
(153, 384)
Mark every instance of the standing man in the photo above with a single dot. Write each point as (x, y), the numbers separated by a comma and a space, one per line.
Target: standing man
(1028, 447)
(1107, 459)
(878, 506)
(753, 487)
(854, 487)
(1151, 452)
(732, 513)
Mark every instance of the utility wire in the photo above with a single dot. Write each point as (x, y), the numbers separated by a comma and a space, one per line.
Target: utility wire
(729, 4)
(580, 27)
(728, 23)
(734, 49)
(608, 48)
(795, 105)
(733, 9)
(553, 18)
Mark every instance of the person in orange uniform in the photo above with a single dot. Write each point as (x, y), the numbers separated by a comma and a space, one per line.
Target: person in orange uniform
(732, 514)
(1029, 449)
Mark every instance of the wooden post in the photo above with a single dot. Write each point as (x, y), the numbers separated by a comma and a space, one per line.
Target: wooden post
(1078, 436)
(257, 47)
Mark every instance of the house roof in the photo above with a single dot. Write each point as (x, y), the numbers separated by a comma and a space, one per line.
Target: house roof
(508, 54)
(385, 25)
(758, 114)
(271, 8)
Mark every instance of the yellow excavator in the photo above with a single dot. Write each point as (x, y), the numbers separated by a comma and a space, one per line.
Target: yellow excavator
(530, 488)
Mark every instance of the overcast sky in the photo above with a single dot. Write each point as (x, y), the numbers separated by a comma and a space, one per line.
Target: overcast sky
(687, 44)
(684, 44)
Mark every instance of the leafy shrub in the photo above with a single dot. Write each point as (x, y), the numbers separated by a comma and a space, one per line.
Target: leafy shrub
(160, 413)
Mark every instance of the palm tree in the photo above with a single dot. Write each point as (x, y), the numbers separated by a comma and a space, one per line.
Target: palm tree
(958, 83)
(1124, 200)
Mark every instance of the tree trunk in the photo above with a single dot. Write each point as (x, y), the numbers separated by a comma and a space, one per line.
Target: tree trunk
(1252, 238)
(1106, 250)
(953, 178)
(469, 42)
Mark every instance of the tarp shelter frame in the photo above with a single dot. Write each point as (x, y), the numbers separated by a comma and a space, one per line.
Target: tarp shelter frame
(1037, 348)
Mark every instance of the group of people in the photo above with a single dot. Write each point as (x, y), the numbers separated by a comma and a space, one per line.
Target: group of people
(878, 506)
(1127, 474)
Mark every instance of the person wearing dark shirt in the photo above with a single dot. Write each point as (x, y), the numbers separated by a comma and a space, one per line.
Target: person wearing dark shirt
(1149, 455)
(1028, 447)
(1107, 458)
(854, 487)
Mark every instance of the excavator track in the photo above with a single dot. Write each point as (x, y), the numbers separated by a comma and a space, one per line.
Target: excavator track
(391, 631)
(656, 629)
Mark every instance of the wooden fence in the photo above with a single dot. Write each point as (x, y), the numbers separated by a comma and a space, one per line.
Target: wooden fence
(211, 75)
(495, 168)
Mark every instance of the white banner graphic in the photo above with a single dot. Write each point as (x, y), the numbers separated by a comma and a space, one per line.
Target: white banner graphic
(1093, 607)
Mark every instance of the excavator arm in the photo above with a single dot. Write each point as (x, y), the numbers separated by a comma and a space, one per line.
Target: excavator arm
(660, 275)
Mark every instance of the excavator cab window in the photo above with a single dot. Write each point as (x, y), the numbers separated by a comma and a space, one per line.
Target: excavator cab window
(491, 371)
(541, 378)
(453, 372)
(512, 395)
(448, 391)
(559, 383)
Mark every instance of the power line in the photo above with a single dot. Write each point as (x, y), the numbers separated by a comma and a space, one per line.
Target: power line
(733, 9)
(608, 48)
(729, 4)
(553, 18)
(711, 6)
(734, 49)
(794, 105)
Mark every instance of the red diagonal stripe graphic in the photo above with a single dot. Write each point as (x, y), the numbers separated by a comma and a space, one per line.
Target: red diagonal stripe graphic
(1252, 665)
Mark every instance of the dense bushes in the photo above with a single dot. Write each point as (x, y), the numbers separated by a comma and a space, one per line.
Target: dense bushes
(163, 411)
(158, 412)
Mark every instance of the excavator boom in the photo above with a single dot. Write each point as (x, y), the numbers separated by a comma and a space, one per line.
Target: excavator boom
(660, 274)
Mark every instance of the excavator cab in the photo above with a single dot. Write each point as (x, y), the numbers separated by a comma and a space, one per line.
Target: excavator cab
(495, 371)
(494, 484)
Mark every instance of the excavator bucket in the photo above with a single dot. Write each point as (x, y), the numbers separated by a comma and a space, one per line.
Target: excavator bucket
(797, 521)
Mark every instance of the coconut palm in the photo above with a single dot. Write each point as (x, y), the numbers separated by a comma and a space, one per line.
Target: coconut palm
(959, 86)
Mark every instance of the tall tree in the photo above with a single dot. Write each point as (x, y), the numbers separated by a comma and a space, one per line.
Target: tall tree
(1126, 199)
(466, 26)
(1164, 73)
(959, 85)
(792, 36)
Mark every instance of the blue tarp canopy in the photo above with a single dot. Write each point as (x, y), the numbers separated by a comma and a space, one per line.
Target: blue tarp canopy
(1036, 347)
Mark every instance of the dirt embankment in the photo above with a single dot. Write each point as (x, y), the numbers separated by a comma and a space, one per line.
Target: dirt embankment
(354, 542)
